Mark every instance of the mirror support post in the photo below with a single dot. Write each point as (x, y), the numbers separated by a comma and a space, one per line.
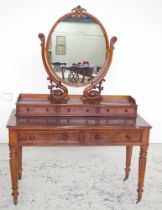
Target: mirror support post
(57, 90)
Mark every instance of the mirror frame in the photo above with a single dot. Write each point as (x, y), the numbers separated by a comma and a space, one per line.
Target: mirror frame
(73, 13)
(92, 84)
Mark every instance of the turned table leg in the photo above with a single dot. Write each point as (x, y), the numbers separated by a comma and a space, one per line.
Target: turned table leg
(19, 162)
(141, 172)
(128, 161)
(14, 164)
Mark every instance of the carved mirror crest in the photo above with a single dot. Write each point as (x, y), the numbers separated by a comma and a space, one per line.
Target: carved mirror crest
(77, 53)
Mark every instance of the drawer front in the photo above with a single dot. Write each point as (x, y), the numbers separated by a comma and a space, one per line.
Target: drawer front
(36, 110)
(78, 111)
(58, 137)
(102, 138)
(118, 111)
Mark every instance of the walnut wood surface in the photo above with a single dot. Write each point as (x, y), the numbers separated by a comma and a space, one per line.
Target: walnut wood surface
(34, 131)
(110, 122)
(39, 105)
(128, 161)
(88, 120)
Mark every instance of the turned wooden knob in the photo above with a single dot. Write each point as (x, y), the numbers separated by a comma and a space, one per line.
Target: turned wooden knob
(97, 137)
(128, 137)
(32, 137)
(64, 136)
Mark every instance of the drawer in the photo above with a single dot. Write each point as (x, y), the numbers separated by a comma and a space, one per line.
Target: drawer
(118, 111)
(78, 111)
(58, 137)
(102, 138)
(25, 110)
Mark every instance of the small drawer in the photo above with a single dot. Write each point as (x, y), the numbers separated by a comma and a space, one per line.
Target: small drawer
(102, 138)
(118, 111)
(57, 137)
(36, 110)
(77, 111)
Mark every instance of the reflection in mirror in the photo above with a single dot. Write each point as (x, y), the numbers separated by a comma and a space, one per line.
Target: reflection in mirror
(77, 50)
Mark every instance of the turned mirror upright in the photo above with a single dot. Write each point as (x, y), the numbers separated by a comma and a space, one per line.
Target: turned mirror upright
(77, 53)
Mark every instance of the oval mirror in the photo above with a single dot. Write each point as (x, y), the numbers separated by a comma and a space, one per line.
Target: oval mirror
(76, 49)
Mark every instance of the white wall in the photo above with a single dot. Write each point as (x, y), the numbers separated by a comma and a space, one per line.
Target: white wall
(136, 67)
(84, 42)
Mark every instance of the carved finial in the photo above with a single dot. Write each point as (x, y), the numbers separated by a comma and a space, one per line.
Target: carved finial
(78, 11)
(112, 41)
(42, 38)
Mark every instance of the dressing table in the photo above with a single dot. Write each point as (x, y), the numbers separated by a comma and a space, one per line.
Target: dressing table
(90, 119)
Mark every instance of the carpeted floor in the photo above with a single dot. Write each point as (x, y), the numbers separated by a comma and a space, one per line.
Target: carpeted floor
(81, 178)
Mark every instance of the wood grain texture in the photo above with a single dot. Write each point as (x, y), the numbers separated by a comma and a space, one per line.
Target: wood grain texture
(111, 122)
(110, 106)
(142, 163)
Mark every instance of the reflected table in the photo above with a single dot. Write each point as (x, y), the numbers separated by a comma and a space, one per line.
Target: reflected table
(77, 131)
(76, 70)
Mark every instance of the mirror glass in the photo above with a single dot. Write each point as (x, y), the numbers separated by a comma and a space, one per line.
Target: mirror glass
(77, 50)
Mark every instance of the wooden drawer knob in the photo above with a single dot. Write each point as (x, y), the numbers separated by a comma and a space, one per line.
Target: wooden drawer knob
(32, 137)
(64, 136)
(128, 137)
(97, 137)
